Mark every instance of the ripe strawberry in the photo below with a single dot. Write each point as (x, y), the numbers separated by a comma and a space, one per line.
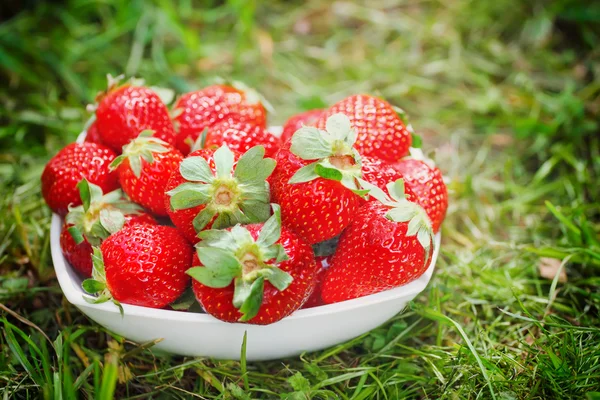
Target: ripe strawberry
(428, 184)
(144, 169)
(202, 109)
(388, 244)
(143, 265)
(315, 181)
(65, 170)
(241, 136)
(219, 189)
(91, 223)
(295, 122)
(92, 134)
(259, 273)
(380, 131)
(125, 111)
(315, 298)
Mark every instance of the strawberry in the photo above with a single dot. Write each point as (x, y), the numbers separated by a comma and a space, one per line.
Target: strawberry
(388, 244)
(89, 224)
(92, 134)
(315, 298)
(202, 109)
(219, 189)
(65, 170)
(380, 131)
(295, 122)
(125, 111)
(144, 169)
(315, 181)
(428, 184)
(143, 265)
(259, 273)
(241, 136)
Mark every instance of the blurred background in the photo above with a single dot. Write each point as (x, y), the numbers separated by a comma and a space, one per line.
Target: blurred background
(505, 94)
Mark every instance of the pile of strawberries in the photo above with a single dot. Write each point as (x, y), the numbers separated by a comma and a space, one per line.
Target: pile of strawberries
(157, 201)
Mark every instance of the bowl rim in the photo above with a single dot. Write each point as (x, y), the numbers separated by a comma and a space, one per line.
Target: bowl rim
(76, 296)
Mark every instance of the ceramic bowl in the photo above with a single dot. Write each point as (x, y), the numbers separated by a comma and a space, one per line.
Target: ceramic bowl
(195, 334)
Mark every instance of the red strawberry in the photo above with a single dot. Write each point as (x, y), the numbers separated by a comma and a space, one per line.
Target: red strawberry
(428, 184)
(388, 244)
(315, 298)
(201, 109)
(241, 136)
(307, 118)
(92, 134)
(69, 166)
(316, 179)
(143, 265)
(125, 111)
(259, 273)
(219, 189)
(98, 217)
(380, 131)
(144, 170)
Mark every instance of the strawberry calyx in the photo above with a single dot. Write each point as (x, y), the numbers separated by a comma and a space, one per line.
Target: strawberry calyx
(234, 256)
(334, 152)
(142, 147)
(99, 215)
(96, 285)
(241, 197)
(402, 210)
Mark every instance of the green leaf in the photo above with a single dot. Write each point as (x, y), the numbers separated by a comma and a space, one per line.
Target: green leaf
(241, 292)
(224, 161)
(396, 190)
(218, 259)
(196, 169)
(210, 277)
(258, 191)
(97, 231)
(217, 238)
(135, 163)
(191, 195)
(253, 301)
(417, 142)
(185, 301)
(98, 265)
(256, 211)
(305, 174)
(203, 218)
(93, 286)
(413, 226)
(374, 191)
(309, 143)
(278, 278)
(112, 220)
(328, 173)
(252, 166)
(116, 162)
(400, 214)
(349, 182)
(76, 235)
(275, 252)
(85, 193)
(339, 126)
(425, 238)
(271, 230)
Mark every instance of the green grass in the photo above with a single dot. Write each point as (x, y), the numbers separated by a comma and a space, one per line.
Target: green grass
(506, 94)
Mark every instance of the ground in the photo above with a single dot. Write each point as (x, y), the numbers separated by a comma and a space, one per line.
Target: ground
(505, 96)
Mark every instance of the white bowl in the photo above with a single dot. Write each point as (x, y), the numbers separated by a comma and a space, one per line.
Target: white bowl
(194, 334)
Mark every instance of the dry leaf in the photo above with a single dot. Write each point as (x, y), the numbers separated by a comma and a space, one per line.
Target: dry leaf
(549, 267)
